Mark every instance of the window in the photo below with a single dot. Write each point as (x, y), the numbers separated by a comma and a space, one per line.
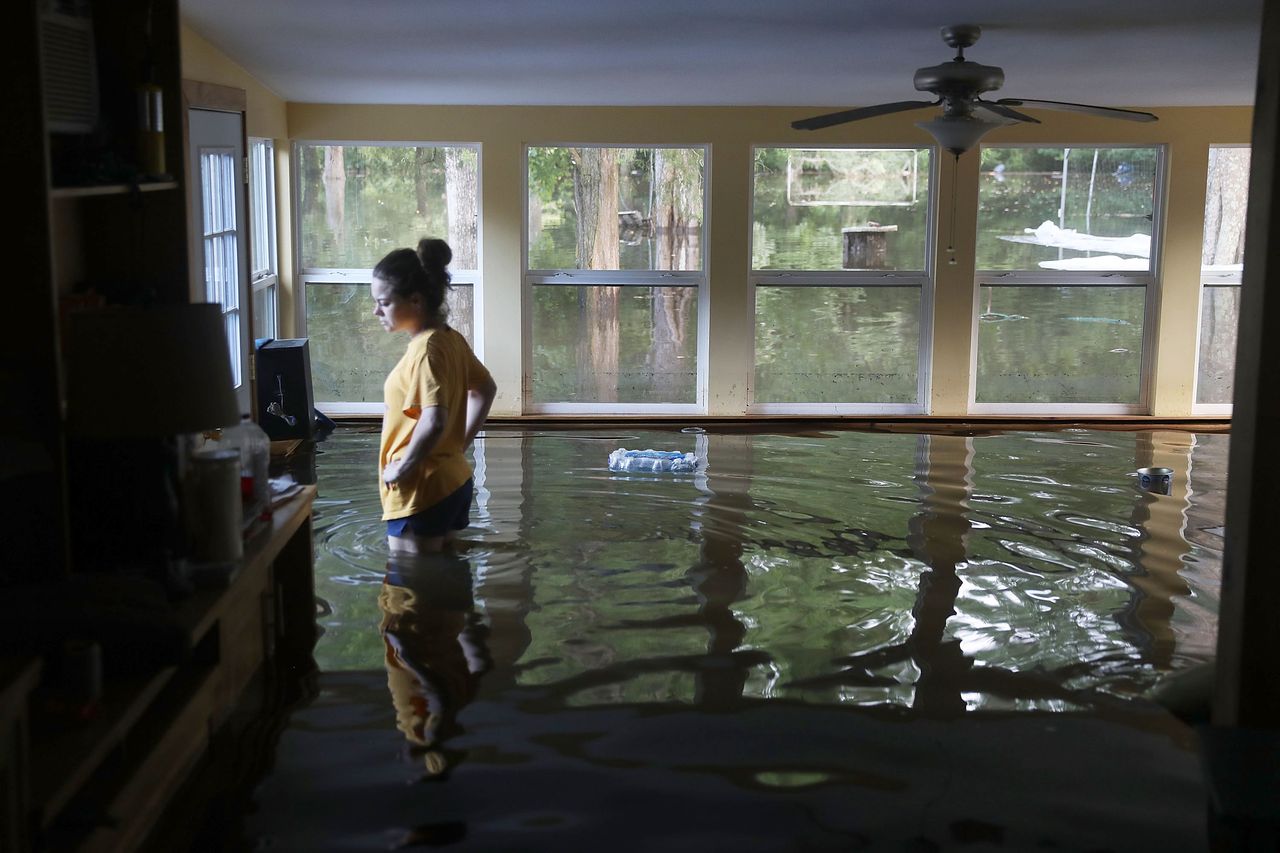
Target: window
(1065, 278)
(356, 203)
(221, 248)
(614, 278)
(1221, 265)
(840, 269)
(262, 242)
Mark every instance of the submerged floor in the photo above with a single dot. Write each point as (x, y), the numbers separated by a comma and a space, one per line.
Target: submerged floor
(836, 640)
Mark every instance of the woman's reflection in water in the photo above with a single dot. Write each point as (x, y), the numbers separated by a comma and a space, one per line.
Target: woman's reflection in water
(435, 651)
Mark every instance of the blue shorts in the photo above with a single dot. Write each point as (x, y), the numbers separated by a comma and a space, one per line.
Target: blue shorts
(452, 513)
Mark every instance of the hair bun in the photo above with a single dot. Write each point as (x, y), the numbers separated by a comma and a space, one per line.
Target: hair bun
(434, 253)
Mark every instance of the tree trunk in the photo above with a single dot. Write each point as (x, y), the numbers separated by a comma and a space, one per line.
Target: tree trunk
(460, 213)
(460, 201)
(595, 199)
(1228, 199)
(335, 190)
(671, 311)
(676, 209)
(421, 165)
(598, 343)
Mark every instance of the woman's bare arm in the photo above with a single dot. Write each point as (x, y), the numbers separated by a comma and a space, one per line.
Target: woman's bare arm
(479, 400)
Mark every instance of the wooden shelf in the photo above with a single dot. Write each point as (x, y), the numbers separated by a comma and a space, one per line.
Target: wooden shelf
(176, 733)
(151, 729)
(18, 677)
(111, 189)
(66, 753)
(198, 613)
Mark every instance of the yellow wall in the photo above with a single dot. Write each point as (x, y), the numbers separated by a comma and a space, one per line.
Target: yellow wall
(203, 62)
(731, 132)
(503, 132)
(265, 117)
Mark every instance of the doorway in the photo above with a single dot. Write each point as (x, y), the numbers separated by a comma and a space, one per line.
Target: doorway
(220, 248)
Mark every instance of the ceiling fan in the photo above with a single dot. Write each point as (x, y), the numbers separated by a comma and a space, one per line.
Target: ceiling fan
(965, 118)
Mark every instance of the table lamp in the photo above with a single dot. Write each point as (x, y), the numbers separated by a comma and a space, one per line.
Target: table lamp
(138, 380)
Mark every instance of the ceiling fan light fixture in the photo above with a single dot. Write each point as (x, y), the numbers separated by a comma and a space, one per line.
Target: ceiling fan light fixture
(958, 86)
(958, 134)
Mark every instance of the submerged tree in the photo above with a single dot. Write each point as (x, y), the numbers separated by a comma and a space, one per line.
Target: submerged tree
(460, 192)
(595, 199)
(1227, 200)
(676, 213)
(335, 189)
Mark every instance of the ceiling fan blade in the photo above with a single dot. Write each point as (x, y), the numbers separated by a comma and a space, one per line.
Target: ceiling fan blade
(1005, 112)
(829, 119)
(1104, 112)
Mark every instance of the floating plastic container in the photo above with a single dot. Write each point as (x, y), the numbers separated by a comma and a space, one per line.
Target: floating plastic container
(653, 461)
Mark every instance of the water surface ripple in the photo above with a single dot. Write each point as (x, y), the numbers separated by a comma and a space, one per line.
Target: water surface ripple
(839, 567)
(822, 641)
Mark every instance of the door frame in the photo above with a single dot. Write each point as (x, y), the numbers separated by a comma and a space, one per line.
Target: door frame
(198, 95)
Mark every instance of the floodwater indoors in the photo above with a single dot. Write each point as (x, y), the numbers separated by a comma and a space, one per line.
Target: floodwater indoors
(831, 640)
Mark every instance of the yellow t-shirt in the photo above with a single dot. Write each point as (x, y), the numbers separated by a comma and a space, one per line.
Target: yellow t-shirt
(437, 369)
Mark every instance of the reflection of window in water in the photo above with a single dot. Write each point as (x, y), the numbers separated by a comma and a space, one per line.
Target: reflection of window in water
(435, 651)
(854, 178)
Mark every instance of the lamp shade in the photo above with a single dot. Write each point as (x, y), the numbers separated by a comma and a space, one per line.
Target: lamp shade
(958, 134)
(137, 372)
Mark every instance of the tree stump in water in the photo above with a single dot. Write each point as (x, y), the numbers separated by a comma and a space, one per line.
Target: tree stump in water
(865, 246)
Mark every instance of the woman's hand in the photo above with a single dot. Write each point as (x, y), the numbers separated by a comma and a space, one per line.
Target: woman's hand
(393, 471)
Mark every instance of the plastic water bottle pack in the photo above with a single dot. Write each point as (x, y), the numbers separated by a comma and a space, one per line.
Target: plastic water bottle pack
(653, 461)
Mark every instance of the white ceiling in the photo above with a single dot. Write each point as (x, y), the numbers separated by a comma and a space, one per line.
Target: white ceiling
(730, 52)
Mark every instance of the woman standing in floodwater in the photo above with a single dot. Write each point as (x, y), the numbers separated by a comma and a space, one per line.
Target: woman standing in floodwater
(437, 397)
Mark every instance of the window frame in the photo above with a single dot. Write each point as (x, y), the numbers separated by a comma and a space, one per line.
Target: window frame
(1220, 279)
(1149, 279)
(924, 279)
(531, 278)
(262, 215)
(321, 276)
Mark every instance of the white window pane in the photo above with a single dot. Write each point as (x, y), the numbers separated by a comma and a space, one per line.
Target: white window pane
(1219, 319)
(221, 267)
(262, 208)
(212, 280)
(351, 354)
(208, 177)
(1066, 208)
(616, 208)
(357, 203)
(597, 344)
(459, 301)
(1041, 344)
(832, 209)
(264, 311)
(837, 344)
(228, 248)
(232, 321)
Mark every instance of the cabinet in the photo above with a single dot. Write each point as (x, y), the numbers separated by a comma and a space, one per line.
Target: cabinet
(86, 215)
(102, 784)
